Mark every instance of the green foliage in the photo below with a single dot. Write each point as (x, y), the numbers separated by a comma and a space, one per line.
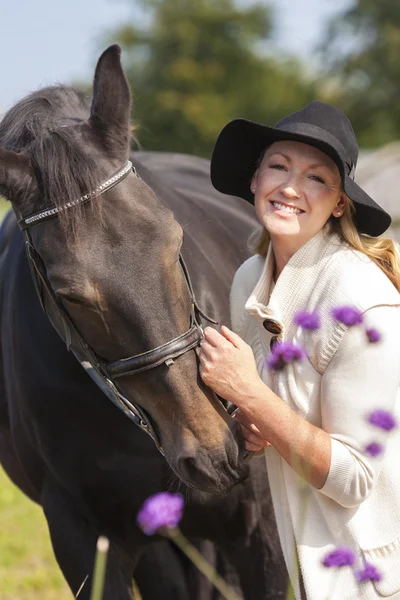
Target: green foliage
(363, 47)
(197, 65)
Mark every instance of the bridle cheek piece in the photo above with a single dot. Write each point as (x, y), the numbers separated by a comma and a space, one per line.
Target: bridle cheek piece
(105, 372)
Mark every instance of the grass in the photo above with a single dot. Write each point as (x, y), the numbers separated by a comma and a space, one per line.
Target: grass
(28, 569)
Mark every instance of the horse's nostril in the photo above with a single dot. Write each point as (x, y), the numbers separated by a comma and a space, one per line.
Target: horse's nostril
(188, 468)
(199, 473)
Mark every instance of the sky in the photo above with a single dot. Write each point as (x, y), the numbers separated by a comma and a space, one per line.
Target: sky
(47, 42)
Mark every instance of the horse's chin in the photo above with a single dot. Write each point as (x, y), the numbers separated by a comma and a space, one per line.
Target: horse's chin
(207, 472)
(215, 487)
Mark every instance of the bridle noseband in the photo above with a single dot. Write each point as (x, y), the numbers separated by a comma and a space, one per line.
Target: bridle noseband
(104, 372)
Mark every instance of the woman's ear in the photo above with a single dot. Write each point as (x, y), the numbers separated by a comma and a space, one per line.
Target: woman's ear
(340, 206)
(253, 183)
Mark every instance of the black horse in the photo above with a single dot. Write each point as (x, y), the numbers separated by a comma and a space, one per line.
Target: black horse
(105, 257)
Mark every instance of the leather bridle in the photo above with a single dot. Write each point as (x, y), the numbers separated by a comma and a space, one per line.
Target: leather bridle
(105, 372)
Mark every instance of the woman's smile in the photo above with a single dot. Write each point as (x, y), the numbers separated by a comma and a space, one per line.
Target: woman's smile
(284, 209)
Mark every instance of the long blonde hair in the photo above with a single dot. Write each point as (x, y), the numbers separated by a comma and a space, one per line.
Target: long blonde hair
(384, 252)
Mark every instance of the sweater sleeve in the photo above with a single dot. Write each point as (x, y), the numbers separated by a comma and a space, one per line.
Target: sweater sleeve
(360, 378)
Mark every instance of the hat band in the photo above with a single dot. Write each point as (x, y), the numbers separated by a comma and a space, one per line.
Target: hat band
(320, 135)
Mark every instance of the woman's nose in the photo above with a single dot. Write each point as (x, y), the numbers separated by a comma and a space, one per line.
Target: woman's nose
(290, 192)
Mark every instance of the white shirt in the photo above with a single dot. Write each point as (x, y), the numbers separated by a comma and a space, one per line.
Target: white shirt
(344, 379)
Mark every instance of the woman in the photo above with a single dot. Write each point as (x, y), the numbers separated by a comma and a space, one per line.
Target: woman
(317, 251)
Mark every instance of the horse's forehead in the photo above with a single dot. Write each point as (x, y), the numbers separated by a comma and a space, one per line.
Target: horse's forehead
(137, 212)
(108, 244)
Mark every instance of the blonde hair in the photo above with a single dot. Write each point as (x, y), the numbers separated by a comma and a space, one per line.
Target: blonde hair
(384, 252)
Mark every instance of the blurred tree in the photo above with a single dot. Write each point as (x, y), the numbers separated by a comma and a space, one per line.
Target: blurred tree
(196, 64)
(362, 47)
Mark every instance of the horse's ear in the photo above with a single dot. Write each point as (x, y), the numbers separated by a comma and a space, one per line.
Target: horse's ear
(111, 104)
(17, 179)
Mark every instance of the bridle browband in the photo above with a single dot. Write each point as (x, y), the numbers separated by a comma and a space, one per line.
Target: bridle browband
(104, 372)
(37, 217)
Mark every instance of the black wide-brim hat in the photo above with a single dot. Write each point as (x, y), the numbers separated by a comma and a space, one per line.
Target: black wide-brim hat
(241, 144)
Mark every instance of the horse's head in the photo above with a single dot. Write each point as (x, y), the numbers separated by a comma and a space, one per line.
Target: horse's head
(113, 263)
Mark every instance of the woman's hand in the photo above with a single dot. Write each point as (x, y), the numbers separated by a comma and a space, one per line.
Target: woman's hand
(254, 441)
(227, 365)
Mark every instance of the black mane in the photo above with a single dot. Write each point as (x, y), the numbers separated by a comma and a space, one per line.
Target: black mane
(38, 126)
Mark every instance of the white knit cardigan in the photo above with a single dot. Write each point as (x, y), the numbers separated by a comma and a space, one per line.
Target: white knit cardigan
(344, 378)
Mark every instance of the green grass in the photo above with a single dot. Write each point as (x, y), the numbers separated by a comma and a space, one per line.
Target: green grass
(28, 569)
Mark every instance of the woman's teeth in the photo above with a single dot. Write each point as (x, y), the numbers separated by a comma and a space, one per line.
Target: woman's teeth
(288, 209)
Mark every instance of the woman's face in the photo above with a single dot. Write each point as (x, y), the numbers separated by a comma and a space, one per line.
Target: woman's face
(297, 188)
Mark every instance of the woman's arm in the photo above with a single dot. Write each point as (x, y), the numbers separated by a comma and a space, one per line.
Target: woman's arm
(306, 448)
(227, 365)
(360, 378)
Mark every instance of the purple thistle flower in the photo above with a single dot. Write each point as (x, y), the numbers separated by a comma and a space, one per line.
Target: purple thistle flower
(383, 419)
(284, 353)
(349, 315)
(374, 449)
(373, 335)
(160, 510)
(368, 573)
(308, 320)
(340, 557)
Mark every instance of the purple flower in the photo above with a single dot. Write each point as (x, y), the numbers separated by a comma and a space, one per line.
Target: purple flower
(382, 419)
(307, 320)
(368, 573)
(349, 315)
(160, 510)
(374, 449)
(284, 353)
(373, 335)
(340, 557)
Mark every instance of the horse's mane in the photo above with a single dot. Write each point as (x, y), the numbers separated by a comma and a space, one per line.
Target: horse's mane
(38, 126)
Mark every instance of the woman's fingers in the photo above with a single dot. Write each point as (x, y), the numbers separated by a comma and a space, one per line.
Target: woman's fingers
(213, 337)
(231, 336)
(239, 416)
(205, 349)
(252, 438)
(253, 447)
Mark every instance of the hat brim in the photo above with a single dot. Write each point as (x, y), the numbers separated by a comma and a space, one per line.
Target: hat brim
(239, 148)
(369, 217)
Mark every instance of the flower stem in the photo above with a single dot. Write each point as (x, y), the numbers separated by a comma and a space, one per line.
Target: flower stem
(290, 592)
(199, 561)
(99, 568)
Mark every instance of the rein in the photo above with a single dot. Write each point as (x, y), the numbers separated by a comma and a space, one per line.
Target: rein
(105, 372)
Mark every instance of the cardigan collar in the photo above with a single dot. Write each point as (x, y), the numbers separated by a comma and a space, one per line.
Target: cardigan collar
(276, 309)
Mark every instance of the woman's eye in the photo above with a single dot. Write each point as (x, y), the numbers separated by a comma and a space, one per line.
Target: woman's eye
(277, 166)
(317, 178)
